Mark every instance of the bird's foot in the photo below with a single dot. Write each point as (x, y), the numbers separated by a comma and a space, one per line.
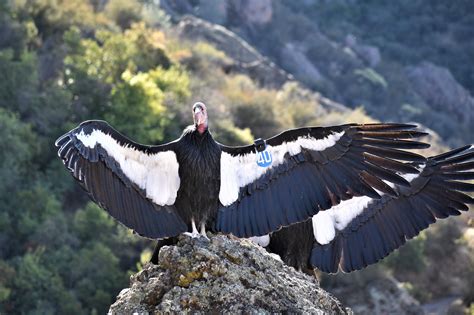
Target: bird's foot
(195, 233)
(192, 234)
(203, 231)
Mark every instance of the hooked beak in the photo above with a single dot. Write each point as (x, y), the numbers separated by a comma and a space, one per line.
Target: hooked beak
(198, 116)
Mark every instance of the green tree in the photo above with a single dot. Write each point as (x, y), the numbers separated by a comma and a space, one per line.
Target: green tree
(125, 78)
(38, 289)
(97, 277)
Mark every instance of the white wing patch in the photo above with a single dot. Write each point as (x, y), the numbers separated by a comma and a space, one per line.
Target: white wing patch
(263, 240)
(338, 217)
(239, 171)
(157, 174)
(327, 222)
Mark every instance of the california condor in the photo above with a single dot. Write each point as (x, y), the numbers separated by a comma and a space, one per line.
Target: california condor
(194, 182)
(361, 231)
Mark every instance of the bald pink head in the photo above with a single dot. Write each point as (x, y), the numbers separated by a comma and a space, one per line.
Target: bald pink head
(200, 117)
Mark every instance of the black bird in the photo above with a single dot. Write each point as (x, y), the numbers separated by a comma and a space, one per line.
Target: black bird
(194, 182)
(361, 231)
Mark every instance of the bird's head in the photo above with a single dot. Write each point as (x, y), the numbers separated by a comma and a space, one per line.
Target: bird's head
(200, 117)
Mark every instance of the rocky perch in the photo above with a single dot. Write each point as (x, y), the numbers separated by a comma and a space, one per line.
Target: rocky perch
(222, 274)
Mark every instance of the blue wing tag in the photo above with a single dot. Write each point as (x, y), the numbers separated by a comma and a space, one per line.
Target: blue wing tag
(264, 158)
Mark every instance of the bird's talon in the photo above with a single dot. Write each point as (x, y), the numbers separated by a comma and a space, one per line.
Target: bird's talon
(192, 234)
(203, 231)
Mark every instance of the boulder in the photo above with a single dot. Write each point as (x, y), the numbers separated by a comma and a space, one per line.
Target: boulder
(369, 54)
(254, 12)
(370, 292)
(440, 90)
(223, 274)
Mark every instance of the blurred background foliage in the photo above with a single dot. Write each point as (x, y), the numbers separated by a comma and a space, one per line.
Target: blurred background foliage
(62, 62)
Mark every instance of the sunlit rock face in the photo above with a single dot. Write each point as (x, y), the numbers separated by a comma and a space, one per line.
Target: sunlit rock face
(439, 89)
(368, 53)
(257, 12)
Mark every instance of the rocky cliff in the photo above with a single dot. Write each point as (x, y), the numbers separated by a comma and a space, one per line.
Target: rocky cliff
(351, 63)
(245, 59)
(222, 274)
(378, 294)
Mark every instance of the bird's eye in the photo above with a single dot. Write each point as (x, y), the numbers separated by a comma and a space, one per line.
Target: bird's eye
(197, 108)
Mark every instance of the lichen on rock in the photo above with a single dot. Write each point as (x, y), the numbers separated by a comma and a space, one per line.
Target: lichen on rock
(222, 274)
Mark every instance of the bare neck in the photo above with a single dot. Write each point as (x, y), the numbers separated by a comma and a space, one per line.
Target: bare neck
(201, 128)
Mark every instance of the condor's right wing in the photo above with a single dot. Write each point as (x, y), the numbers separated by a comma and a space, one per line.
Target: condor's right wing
(136, 184)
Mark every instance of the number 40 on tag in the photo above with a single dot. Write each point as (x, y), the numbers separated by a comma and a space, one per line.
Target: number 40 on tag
(264, 158)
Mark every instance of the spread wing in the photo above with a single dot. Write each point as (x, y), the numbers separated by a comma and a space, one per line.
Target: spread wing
(136, 184)
(303, 171)
(384, 225)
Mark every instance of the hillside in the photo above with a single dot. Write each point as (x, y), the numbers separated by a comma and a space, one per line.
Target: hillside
(68, 61)
(402, 61)
(139, 68)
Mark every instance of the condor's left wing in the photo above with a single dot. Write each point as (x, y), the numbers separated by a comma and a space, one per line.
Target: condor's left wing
(307, 170)
(378, 227)
(361, 231)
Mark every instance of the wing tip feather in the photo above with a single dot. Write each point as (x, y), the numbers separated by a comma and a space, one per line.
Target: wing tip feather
(386, 126)
(61, 140)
